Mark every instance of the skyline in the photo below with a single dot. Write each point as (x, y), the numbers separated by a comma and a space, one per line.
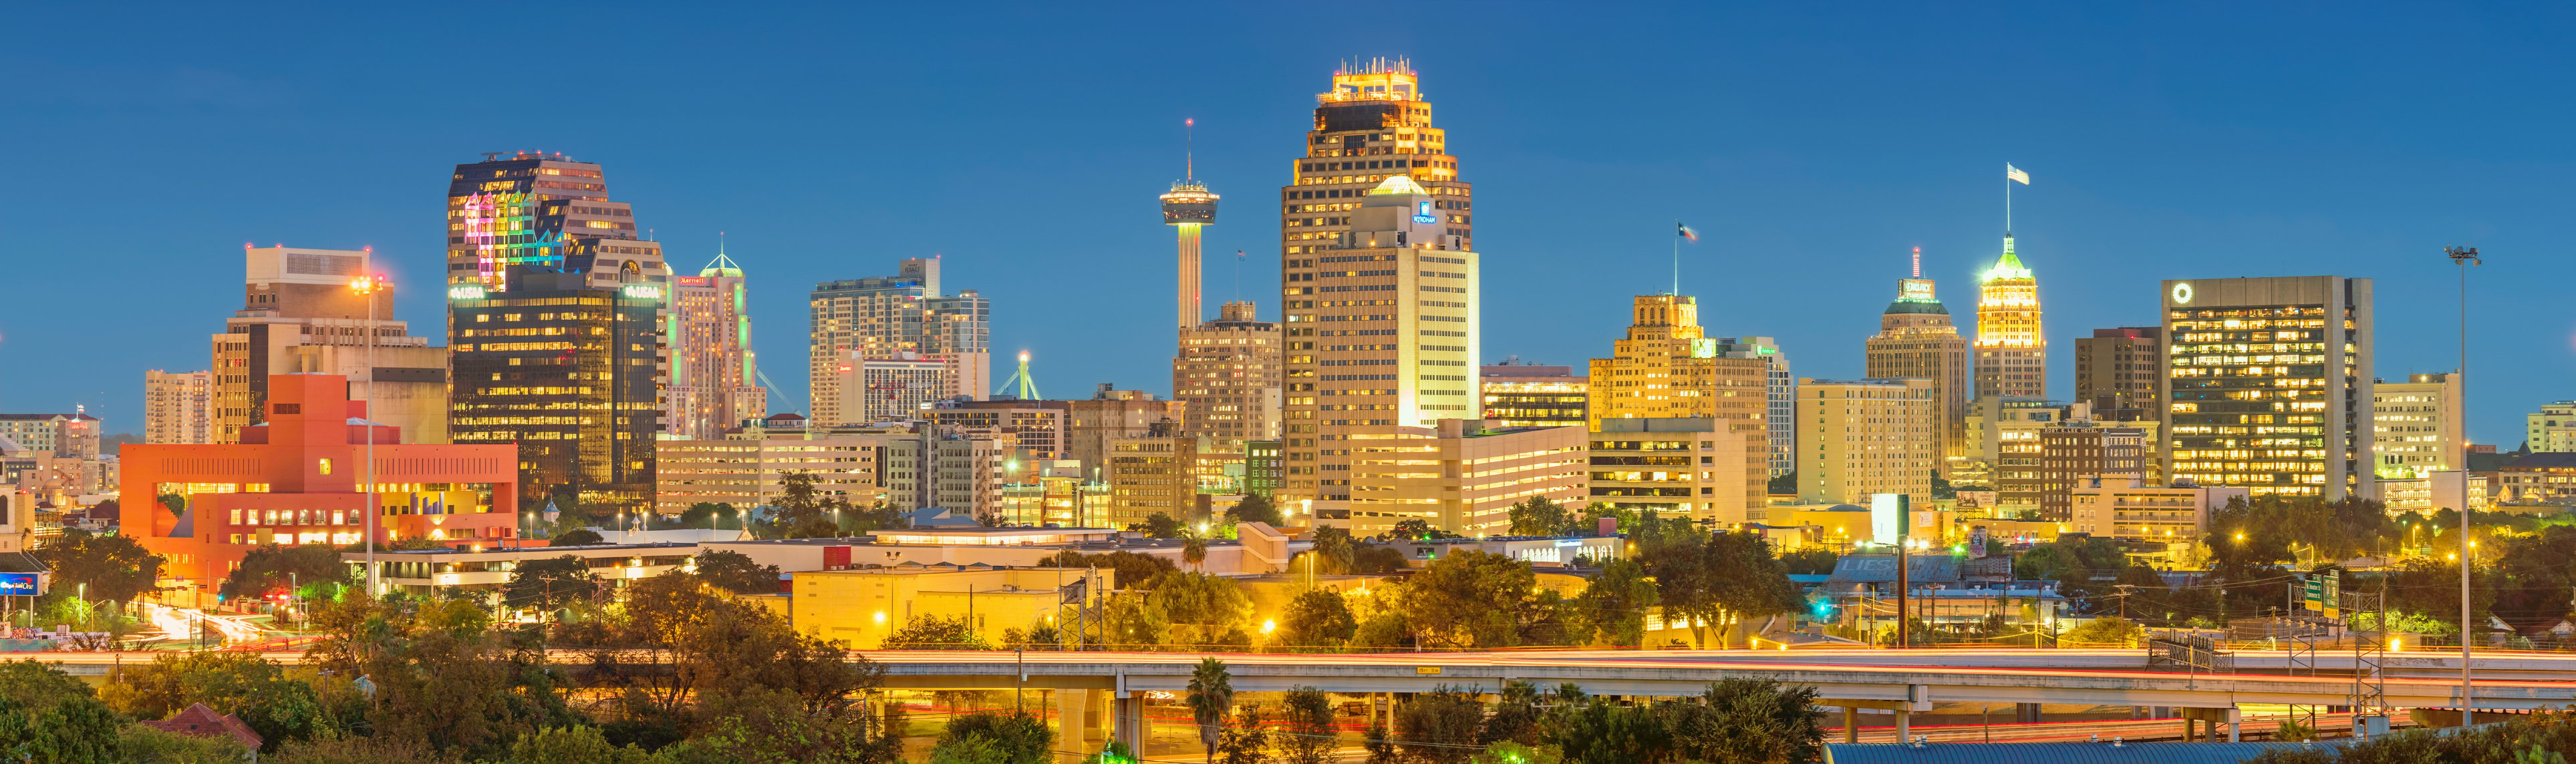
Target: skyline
(1063, 201)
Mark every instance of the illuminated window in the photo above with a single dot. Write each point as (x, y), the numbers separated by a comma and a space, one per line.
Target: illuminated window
(325, 465)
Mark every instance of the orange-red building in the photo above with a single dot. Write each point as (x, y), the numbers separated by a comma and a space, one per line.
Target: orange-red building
(298, 478)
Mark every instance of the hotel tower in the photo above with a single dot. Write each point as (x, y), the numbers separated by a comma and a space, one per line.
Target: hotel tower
(1378, 283)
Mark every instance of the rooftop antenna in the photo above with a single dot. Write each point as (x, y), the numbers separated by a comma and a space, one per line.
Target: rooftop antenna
(1918, 262)
(1189, 149)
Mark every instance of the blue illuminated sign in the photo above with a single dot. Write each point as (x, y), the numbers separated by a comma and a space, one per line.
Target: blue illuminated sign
(19, 584)
(1423, 214)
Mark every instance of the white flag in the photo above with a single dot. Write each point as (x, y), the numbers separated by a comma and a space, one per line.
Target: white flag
(2014, 174)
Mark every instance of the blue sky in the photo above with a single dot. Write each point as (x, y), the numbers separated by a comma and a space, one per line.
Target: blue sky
(1811, 146)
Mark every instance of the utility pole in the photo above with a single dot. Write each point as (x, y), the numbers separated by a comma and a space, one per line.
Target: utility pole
(2463, 257)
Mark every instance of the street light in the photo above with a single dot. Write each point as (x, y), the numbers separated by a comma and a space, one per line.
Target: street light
(366, 287)
(2463, 257)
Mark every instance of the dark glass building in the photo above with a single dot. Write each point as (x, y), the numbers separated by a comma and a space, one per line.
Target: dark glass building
(567, 370)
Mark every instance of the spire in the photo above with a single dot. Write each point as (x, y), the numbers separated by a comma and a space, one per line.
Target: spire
(722, 265)
(2007, 267)
(1190, 149)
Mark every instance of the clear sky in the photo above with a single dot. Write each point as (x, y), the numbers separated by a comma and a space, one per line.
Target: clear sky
(1811, 145)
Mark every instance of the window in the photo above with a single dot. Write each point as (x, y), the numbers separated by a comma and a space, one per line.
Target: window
(325, 465)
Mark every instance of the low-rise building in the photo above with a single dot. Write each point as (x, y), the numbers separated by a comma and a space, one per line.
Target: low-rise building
(1675, 467)
(424, 572)
(1534, 395)
(1463, 476)
(2132, 509)
(2537, 478)
(860, 607)
(748, 471)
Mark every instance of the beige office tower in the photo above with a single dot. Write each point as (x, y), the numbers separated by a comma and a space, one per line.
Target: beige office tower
(1228, 375)
(2416, 427)
(1384, 338)
(1092, 425)
(1372, 130)
(714, 375)
(894, 388)
(1862, 437)
(301, 314)
(1916, 340)
(2267, 384)
(2012, 350)
(1668, 368)
(882, 317)
(178, 407)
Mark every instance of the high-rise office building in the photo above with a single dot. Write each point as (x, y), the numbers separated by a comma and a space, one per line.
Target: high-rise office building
(1392, 479)
(1534, 395)
(1916, 340)
(883, 316)
(1377, 241)
(890, 388)
(1864, 437)
(2115, 370)
(1108, 415)
(1382, 337)
(301, 314)
(2416, 427)
(2552, 430)
(178, 407)
(714, 375)
(2012, 351)
(1668, 368)
(548, 213)
(569, 371)
(1228, 375)
(2267, 383)
(1780, 388)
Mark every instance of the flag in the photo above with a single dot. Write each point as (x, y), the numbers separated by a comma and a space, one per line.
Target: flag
(2014, 174)
(1238, 254)
(1687, 233)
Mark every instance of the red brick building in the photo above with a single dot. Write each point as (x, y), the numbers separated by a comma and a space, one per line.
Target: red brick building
(297, 478)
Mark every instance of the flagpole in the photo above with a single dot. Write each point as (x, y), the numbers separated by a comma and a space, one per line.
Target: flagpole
(1677, 258)
(2008, 198)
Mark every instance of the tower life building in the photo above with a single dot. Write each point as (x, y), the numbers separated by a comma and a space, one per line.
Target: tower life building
(301, 314)
(568, 371)
(2115, 370)
(714, 375)
(2012, 351)
(2268, 384)
(1668, 368)
(1227, 374)
(1916, 340)
(903, 318)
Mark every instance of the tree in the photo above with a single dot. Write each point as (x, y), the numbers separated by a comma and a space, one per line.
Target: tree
(1786, 483)
(1211, 696)
(930, 632)
(1194, 552)
(736, 572)
(1415, 528)
(1809, 562)
(579, 744)
(270, 569)
(546, 584)
(1133, 571)
(1258, 509)
(111, 567)
(1478, 599)
(802, 512)
(46, 715)
(2104, 631)
(708, 514)
(1516, 717)
(277, 706)
(1159, 525)
(1750, 721)
(1333, 550)
(577, 537)
(1713, 579)
(176, 503)
(1317, 618)
(1305, 732)
(1199, 609)
(1017, 738)
(1612, 611)
(1244, 741)
(1439, 727)
(1378, 558)
(1538, 516)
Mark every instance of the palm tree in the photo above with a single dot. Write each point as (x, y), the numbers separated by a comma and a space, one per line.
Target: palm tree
(1194, 552)
(1211, 697)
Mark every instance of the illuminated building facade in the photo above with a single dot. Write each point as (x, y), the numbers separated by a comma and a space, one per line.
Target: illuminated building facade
(2116, 371)
(891, 388)
(1780, 388)
(1376, 239)
(568, 371)
(1038, 430)
(543, 212)
(2552, 430)
(2416, 427)
(58, 436)
(1461, 477)
(1188, 207)
(299, 477)
(883, 316)
(1674, 467)
(1382, 336)
(178, 407)
(1154, 474)
(749, 469)
(946, 468)
(1531, 395)
(1668, 368)
(2012, 351)
(1863, 437)
(2268, 386)
(1916, 340)
(300, 314)
(714, 374)
(1228, 376)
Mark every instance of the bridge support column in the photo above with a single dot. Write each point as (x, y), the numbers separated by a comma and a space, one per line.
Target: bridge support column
(1131, 722)
(2235, 721)
(1851, 724)
(2187, 730)
(2026, 713)
(1071, 710)
(1904, 725)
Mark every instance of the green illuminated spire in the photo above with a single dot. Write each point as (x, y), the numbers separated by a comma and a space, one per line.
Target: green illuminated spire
(722, 265)
(2008, 267)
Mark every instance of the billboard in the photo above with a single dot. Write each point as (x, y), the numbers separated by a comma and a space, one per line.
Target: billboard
(21, 584)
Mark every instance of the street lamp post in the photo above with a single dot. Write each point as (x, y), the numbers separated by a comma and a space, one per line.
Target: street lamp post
(366, 287)
(2463, 257)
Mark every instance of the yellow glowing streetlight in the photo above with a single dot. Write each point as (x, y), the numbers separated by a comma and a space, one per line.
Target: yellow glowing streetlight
(367, 287)
(1268, 626)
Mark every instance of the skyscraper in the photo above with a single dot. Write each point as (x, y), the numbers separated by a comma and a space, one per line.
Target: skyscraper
(2115, 370)
(1668, 368)
(1862, 437)
(178, 407)
(1780, 387)
(2012, 351)
(882, 317)
(300, 314)
(714, 375)
(2268, 384)
(1916, 340)
(568, 371)
(1228, 374)
(529, 208)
